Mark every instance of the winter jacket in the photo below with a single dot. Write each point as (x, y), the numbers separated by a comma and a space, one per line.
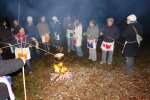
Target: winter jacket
(5, 34)
(131, 48)
(78, 35)
(110, 33)
(92, 33)
(25, 40)
(57, 27)
(43, 28)
(10, 66)
(32, 31)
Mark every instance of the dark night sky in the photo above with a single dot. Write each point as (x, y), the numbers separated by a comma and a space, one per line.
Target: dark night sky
(82, 9)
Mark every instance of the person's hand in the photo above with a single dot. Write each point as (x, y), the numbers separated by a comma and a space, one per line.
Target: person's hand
(23, 59)
(101, 33)
(33, 38)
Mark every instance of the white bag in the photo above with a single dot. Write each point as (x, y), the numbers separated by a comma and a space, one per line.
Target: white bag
(23, 52)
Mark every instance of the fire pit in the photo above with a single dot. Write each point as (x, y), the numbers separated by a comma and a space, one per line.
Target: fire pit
(60, 71)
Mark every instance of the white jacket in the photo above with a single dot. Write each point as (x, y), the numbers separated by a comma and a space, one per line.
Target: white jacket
(78, 35)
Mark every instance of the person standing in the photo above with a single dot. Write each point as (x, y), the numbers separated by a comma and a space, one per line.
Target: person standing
(31, 30)
(15, 27)
(132, 44)
(44, 32)
(92, 39)
(57, 29)
(1, 54)
(110, 33)
(77, 38)
(69, 34)
(6, 39)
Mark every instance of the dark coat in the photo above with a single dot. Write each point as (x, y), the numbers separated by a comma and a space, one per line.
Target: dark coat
(10, 66)
(111, 33)
(32, 31)
(132, 49)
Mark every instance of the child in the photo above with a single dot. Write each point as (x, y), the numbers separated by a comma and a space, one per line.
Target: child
(22, 38)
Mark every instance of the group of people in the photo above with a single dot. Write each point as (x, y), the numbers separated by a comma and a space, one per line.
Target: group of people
(30, 36)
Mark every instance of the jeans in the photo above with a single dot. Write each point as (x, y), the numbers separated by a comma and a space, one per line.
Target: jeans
(70, 44)
(92, 54)
(59, 43)
(104, 55)
(129, 65)
(45, 46)
(28, 66)
(79, 51)
(35, 53)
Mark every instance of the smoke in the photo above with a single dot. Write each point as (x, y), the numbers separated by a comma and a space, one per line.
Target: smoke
(84, 10)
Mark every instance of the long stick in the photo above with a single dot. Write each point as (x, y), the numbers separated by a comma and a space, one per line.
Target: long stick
(19, 12)
(113, 40)
(24, 83)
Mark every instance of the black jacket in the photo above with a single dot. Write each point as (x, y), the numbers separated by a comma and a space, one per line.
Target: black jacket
(132, 49)
(10, 66)
(111, 33)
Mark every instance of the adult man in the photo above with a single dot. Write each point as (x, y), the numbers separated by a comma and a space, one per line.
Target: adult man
(31, 30)
(44, 32)
(110, 33)
(57, 29)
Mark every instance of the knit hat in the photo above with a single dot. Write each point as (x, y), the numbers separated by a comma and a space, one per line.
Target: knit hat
(132, 17)
(54, 18)
(110, 19)
(29, 18)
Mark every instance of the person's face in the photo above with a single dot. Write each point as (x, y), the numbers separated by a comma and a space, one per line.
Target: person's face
(128, 21)
(91, 24)
(43, 19)
(4, 23)
(21, 31)
(109, 23)
(30, 22)
(16, 23)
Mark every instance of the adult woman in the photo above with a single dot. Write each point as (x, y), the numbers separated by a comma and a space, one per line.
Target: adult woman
(131, 46)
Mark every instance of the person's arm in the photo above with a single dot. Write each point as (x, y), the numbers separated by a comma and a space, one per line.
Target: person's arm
(10, 66)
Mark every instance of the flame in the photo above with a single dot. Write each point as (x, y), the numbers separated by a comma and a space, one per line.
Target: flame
(60, 68)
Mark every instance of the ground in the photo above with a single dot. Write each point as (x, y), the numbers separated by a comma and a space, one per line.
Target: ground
(90, 80)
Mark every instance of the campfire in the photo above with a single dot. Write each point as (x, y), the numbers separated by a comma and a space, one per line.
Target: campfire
(60, 71)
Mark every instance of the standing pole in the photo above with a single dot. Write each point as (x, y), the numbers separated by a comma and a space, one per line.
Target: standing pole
(23, 74)
(19, 12)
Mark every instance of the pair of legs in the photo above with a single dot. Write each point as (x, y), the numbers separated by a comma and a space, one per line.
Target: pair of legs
(28, 66)
(35, 53)
(59, 44)
(79, 51)
(104, 57)
(70, 44)
(45, 46)
(92, 54)
(129, 65)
